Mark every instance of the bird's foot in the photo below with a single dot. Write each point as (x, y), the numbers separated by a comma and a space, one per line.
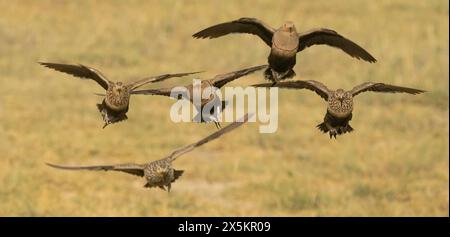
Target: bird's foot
(109, 117)
(333, 133)
(275, 77)
(289, 74)
(218, 126)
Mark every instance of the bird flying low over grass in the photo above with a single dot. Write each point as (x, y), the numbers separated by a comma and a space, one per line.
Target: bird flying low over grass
(160, 173)
(117, 98)
(217, 82)
(340, 102)
(285, 43)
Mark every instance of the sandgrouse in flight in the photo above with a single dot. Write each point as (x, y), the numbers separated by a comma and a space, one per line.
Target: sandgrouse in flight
(117, 98)
(340, 102)
(285, 42)
(215, 83)
(159, 173)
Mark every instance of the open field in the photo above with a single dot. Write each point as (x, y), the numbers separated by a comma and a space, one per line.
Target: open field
(395, 163)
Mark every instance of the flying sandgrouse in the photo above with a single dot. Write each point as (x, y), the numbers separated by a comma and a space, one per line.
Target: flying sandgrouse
(340, 102)
(215, 83)
(117, 98)
(285, 42)
(159, 173)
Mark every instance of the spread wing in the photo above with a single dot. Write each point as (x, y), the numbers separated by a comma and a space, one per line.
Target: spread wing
(161, 91)
(209, 138)
(332, 38)
(133, 169)
(220, 80)
(243, 25)
(312, 85)
(80, 71)
(136, 84)
(381, 87)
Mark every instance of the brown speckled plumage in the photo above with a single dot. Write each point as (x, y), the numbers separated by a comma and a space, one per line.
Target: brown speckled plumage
(117, 98)
(340, 102)
(159, 173)
(217, 82)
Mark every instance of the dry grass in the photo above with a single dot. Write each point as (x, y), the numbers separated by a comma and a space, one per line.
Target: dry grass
(395, 163)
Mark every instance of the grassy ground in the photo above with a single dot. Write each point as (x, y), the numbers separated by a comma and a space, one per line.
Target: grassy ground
(395, 163)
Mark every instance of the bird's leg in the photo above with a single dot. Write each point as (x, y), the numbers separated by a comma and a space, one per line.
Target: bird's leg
(217, 125)
(274, 77)
(333, 133)
(162, 187)
(168, 187)
(275, 81)
(332, 130)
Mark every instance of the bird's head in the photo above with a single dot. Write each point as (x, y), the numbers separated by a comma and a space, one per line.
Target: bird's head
(160, 170)
(119, 88)
(340, 94)
(289, 27)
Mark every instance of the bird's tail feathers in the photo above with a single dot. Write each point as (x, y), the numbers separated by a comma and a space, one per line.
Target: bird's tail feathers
(322, 127)
(346, 129)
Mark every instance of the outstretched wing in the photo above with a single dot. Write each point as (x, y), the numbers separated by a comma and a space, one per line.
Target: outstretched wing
(136, 84)
(222, 79)
(80, 71)
(312, 85)
(209, 138)
(332, 38)
(133, 169)
(243, 25)
(161, 91)
(381, 87)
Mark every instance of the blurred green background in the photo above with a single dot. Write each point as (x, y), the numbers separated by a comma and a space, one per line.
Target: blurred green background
(394, 164)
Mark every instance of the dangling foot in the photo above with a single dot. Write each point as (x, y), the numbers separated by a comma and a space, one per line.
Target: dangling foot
(217, 125)
(271, 75)
(162, 187)
(109, 117)
(333, 133)
(288, 74)
(275, 77)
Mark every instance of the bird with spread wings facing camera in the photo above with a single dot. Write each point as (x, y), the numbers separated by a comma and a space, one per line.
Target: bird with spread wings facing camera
(117, 98)
(340, 102)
